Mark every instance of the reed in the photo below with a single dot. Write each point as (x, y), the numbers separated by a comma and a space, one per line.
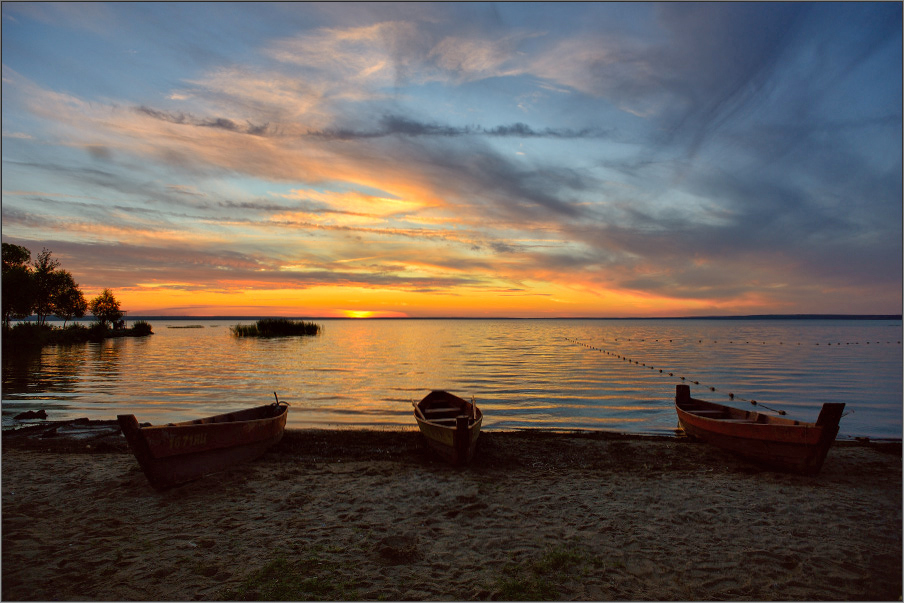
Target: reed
(141, 327)
(276, 327)
(32, 335)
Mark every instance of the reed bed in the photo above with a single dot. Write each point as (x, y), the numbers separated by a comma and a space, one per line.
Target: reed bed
(276, 327)
(33, 335)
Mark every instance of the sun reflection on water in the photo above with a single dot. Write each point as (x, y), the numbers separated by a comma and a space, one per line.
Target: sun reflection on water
(523, 373)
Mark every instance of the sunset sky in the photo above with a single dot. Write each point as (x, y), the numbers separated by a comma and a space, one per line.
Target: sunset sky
(523, 160)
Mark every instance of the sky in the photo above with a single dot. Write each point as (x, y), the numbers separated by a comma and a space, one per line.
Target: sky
(460, 159)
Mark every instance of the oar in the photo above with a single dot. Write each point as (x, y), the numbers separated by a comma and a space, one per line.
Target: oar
(278, 402)
(418, 410)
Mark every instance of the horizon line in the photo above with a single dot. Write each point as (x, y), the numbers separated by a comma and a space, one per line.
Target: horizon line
(834, 316)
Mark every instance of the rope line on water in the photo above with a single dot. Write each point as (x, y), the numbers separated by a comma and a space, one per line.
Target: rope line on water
(731, 396)
(760, 342)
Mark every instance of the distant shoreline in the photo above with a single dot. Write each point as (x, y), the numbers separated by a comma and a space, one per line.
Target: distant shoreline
(751, 317)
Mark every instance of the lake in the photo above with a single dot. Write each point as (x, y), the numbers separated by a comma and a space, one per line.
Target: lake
(553, 374)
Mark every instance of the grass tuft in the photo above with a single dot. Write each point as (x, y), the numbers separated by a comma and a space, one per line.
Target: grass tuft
(543, 579)
(141, 327)
(282, 580)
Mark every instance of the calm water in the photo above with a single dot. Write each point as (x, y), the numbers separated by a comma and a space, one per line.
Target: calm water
(523, 373)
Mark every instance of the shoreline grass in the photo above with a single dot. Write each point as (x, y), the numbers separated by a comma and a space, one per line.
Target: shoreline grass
(32, 335)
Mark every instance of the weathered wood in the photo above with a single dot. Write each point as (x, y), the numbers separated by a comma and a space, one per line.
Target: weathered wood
(780, 443)
(441, 432)
(462, 440)
(176, 453)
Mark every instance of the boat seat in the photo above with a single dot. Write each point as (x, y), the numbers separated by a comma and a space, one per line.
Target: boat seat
(448, 422)
(706, 412)
(442, 410)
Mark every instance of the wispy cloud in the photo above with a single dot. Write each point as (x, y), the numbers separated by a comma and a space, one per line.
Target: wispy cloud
(692, 155)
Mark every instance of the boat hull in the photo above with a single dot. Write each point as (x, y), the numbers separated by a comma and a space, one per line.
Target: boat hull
(776, 442)
(173, 454)
(450, 426)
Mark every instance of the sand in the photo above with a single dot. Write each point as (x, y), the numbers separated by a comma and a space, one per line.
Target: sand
(342, 515)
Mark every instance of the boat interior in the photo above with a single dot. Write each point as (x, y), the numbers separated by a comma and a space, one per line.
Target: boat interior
(447, 415)
(249, 414)
(733, 415)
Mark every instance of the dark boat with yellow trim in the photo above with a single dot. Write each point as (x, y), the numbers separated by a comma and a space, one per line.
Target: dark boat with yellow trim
(176, 453)
(780, 443)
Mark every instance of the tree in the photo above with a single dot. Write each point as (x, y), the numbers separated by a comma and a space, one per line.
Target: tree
(105, 308)
(68, 300)
(18, 293)
(45, 283)
(15, 255)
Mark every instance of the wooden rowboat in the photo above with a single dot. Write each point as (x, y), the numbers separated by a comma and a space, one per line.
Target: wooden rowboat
(780, 443)
(176, 453)
(450, 425)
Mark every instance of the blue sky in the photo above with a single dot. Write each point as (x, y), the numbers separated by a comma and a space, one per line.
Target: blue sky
(544, 159)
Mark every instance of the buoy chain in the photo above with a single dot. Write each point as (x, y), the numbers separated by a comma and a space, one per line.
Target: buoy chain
(760, 342)
(731, 396)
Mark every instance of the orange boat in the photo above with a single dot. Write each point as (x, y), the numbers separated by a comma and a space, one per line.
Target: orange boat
(779, 443)
(176, 453)
(450, 425)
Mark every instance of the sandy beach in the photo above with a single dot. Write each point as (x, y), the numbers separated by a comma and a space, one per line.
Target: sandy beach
(342, 515)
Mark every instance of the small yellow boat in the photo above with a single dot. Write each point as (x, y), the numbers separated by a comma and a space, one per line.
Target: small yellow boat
(450, 425)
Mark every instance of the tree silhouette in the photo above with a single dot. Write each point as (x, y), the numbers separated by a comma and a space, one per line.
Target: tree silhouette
(45, 283)
(105, 308)
(68, 300)
(18, 294)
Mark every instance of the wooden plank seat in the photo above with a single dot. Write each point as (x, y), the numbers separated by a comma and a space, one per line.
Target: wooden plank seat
(451, 422)
(431, 411)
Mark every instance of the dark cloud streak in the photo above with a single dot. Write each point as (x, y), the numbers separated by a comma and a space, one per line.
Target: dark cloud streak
(219, 123)
(396, 125)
